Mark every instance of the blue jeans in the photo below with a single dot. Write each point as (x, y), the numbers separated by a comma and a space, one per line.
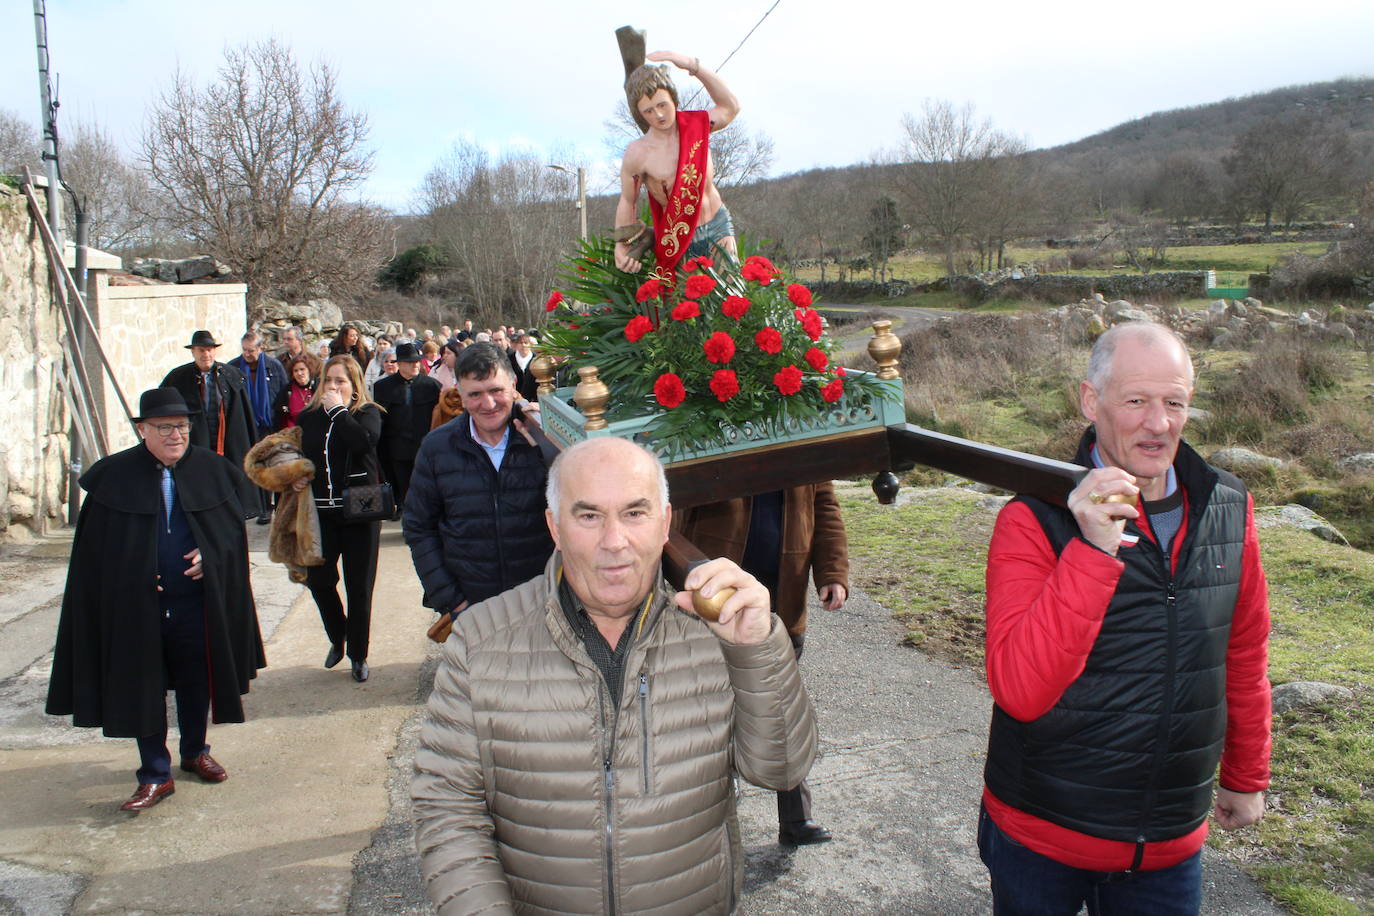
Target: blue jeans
(1025, 883)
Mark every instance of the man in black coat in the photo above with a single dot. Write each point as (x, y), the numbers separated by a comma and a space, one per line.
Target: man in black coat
(158, 597)
(264, 381)
(407, 399)
(474, 518)
(219, 394)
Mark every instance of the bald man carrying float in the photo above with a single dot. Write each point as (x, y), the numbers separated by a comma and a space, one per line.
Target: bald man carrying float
(585, 728)
(1127, 644)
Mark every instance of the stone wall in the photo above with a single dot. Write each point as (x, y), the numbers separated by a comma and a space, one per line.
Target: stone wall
(1061, 287)
(1188, 284)
(33, 412)
(145, 330)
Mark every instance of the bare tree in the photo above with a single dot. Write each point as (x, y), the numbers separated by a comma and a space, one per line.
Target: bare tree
(1283, 166)
(1184, 188)
(504, 225)
(946, 159)
(112, 192)
(257, 167)
(18, 144)
(1006, 205)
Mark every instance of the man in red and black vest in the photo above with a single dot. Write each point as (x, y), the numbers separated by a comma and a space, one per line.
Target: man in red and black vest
(1127, 647)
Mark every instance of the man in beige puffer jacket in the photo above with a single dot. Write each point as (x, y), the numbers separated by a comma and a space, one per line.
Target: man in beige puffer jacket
(584, 731)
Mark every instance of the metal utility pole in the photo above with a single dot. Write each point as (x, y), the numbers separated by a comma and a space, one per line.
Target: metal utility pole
(49, 122)
(581, 195)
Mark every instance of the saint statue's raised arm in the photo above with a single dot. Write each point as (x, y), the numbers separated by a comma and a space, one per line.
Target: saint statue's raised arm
(673, 162)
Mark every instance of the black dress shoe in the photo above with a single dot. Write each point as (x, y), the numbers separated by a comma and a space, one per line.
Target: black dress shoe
(802, 833)
(334, 657)
(360, 671)
(264, 519)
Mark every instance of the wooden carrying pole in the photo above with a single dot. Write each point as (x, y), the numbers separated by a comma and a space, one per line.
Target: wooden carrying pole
(64, 284)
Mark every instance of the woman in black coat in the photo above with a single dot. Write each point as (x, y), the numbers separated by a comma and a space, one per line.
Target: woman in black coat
(340, 429)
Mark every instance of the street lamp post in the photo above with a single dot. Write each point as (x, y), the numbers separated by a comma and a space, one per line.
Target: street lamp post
(581, 195)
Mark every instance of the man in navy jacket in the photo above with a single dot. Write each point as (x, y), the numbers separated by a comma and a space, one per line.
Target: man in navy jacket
(474, 516)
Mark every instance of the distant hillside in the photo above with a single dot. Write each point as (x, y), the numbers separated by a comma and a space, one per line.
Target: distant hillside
(1213, 127)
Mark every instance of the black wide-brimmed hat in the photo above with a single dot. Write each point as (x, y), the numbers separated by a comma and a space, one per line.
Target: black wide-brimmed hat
(163, 402)
(202, 339)
(408, 353)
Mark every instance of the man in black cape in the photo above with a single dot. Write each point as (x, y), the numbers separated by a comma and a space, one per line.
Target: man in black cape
(158, 597)
(408, 398)
(219, 393)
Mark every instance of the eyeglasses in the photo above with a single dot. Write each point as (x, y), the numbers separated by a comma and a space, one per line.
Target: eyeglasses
(166, 429)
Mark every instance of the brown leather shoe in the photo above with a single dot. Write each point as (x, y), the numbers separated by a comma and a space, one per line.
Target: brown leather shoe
(149, 794)
(206, 768)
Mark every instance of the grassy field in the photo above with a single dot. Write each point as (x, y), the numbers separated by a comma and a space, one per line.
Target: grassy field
(1233, 263)
(1314, 850)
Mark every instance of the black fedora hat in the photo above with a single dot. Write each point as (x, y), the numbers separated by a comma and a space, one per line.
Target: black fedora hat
(162, 402)
(202, 339)
(408, 353)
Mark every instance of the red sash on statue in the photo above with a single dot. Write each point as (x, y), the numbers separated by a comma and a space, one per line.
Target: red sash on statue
(675, 222)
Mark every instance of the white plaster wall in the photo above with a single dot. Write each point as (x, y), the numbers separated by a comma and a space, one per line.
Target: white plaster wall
(145, 330)
(33, 413)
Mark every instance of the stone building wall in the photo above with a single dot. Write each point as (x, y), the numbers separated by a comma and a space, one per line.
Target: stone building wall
(33, 412)
(145, 330)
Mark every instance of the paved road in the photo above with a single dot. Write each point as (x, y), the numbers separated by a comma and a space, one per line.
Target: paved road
(315, 816)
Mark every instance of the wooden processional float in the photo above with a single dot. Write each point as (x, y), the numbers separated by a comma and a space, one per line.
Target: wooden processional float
(852, 440)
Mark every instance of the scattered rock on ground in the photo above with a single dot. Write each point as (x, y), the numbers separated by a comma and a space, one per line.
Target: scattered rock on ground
(1295, 516)
(1301, 694)
(1241, 460)
(1359, 464)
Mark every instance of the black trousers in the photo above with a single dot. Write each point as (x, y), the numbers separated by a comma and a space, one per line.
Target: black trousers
(356, 545)
(794, 805)
(401, 470)
(266, 498)
(186, 671)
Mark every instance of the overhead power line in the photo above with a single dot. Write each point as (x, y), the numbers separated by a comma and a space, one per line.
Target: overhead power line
(746, 37)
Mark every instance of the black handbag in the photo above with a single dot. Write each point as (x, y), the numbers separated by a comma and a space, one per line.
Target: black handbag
(373, 502)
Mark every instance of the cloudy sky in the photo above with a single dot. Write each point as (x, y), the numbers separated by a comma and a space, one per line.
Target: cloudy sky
(828, 81)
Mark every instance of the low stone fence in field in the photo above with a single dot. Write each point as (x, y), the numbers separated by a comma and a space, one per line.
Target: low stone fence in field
(1185, 284)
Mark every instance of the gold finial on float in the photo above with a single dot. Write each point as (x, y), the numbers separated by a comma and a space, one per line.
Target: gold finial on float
(542, 367)
(885, 347)
(591, 396)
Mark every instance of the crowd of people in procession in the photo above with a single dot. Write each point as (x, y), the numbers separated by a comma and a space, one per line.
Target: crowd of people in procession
(587, 721)
(1106, 731)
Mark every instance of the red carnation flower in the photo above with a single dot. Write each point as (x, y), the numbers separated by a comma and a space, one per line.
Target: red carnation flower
(724, 385)
(719, 347)
(685, 310)
(698, 264)
(638, 326)
(555, 297)
(810, 321)
(800, 295)
(735, 307)
(669, 391)
(788, 379)
(759, 269)
(817, 359)
(769, 340)
(699, 285)
(833, 391)
(649, 289)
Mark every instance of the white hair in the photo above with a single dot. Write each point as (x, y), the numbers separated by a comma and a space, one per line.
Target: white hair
(1104, 350)
(552, 489)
